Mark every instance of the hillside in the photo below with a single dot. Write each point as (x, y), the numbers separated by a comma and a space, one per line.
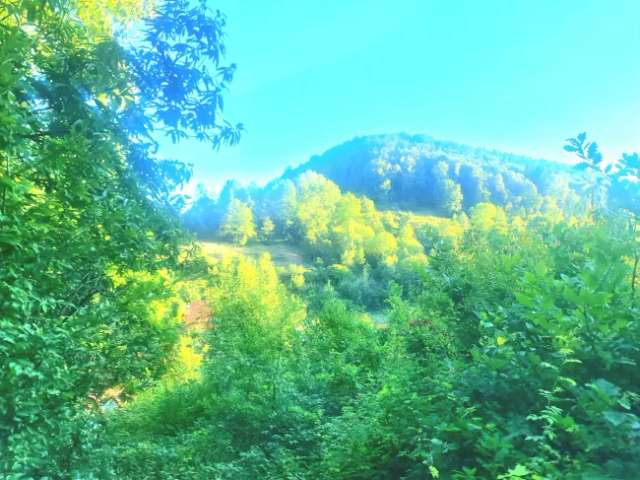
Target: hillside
(419, 171)
(409, 172)
(282, 254)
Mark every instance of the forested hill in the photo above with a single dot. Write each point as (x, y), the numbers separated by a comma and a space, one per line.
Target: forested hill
(419, 171)
(408, 172)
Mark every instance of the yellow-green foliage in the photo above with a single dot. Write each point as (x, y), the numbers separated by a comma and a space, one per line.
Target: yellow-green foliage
(317, 200)
(99, 16)
(267, 228)
(296, 274)
(238, 225)
(349, 228)
(166, 309)
(518, 339)
(451, 228)
(282, 254)
(486, 217)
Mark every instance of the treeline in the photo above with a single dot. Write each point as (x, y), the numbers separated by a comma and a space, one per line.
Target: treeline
(309, 210)
(359, 249)
(416, 171)
(421, 174)
(353, 245)
(302, 208)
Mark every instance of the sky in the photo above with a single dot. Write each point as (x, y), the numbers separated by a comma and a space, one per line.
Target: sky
(519, 76)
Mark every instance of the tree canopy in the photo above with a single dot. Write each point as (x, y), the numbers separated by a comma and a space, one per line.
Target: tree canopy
(87, 211)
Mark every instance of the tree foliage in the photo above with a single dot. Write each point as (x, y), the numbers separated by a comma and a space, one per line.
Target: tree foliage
(501, 343)
(238, 225)
(511, 357)
(416, 171)
(89, 240)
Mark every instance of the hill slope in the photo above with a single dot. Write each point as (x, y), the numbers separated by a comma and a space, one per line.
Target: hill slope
(405, 172)
(419, 171)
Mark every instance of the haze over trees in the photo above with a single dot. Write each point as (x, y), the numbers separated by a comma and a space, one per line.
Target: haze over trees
(449, 313)
(418, 173)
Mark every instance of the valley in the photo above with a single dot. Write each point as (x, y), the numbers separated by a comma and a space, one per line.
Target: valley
(395, 307)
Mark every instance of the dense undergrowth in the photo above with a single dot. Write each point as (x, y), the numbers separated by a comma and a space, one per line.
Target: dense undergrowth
(513, 357)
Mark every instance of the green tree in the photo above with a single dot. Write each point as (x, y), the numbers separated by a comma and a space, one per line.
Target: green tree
(84, 200)
(267, 228)
(316, 201)
(472, 182)
(453, 198)
(238, 225)
(499, 193)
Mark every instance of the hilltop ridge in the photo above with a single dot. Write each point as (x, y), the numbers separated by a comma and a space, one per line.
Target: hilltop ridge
(420, 171)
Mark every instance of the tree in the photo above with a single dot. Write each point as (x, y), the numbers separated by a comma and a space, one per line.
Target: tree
(230, 191)
(499, 193)
(452, 198)
(267, 228)
(84, 200)
(279, 201)
(596, 182)
(522, 192)
(625, 189)
(238, 225)
(317, 198)
(488, 217)
(472, 183)
(202, 216)
(435, 184)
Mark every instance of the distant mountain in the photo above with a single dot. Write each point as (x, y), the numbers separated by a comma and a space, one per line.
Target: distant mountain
(419, 171)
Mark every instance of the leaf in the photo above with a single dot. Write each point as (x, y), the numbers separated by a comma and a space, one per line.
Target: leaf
(606, 387)
(519, 471)
(593, 153)
(616, 418)
(583, 166)
(434, 471)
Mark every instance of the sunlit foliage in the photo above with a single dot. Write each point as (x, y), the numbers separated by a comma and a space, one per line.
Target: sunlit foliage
(238, 225)
(89, 239)
(501, 342)
(513, 357)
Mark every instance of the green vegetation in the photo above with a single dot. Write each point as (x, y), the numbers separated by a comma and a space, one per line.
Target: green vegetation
(510, 354)
(416, 171)
(335, 339)
(237, 225)
(89, 239)
(282, 254)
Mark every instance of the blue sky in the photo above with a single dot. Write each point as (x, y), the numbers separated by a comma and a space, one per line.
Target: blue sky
(514, 75)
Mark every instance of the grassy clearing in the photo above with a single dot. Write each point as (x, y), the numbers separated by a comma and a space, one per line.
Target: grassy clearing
(282, 254)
